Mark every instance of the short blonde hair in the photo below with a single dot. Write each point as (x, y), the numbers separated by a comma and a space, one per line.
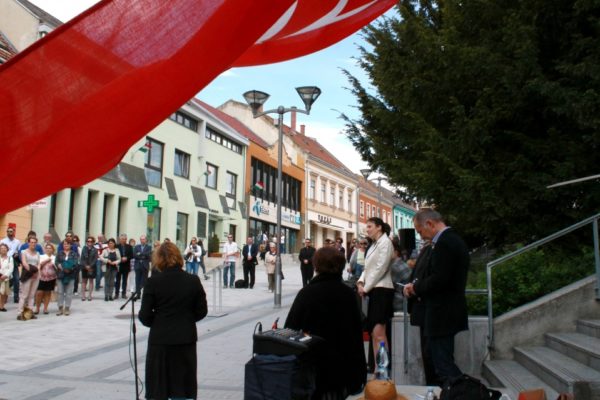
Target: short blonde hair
(167, 255)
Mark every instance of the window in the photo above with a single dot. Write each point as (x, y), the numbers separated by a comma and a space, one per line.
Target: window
(153, 162)
(350, 202)
(362, 208)
(182, 164)
(231, 184)
(216, 137)
(185, 120)
(153, 225)
(323, 193)
(313, 189)
(201, 231)
(211, 175)
(332, 196)
(181, 231)
(341, 202)
(368, 210)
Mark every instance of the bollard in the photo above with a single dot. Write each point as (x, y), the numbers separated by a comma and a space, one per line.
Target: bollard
(217, 311)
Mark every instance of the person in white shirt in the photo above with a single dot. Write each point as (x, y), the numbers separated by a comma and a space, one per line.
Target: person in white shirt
(13, 251)
(6, 273)
(231, 252)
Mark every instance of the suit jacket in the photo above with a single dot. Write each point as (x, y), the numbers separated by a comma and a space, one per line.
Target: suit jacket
(443, 286)
(327, 307)
(126, 250)
(378, 259)
(306, 253)
(171, 304)
(142, 255)
(253, 251)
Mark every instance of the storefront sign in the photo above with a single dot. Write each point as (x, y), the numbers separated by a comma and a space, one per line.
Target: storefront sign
(267, 211)
(324, 219)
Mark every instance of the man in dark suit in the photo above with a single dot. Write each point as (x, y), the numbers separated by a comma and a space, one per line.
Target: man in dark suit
(250, 259)
(126, 251)
(142, 254)
(306, 266)
(442, 290)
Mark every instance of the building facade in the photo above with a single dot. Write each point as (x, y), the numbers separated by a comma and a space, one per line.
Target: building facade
(372, 203)
(261, 182)
(183, 179)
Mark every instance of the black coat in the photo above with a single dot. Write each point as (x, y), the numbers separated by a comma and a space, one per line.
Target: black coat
(253, 250)
(172, 303)
(306, 253)
(126, 250)
(443, 286)
(416, 304)
(326, 307)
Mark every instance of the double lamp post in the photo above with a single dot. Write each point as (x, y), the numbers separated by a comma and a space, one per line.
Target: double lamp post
(255, 100)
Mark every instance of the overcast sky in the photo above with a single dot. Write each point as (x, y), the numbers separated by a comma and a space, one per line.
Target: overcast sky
(322, 69)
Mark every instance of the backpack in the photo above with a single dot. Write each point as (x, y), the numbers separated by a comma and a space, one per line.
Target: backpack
(466, 387)
(240, 284)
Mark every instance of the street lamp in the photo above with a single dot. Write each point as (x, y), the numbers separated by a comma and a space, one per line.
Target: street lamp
(365, 173)
(255, 100)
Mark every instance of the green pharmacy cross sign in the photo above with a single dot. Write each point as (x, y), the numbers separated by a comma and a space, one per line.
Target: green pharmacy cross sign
(150, 204)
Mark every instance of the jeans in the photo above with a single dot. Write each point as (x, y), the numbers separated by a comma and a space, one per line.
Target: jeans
(358, 269)
(141, 274)
(16, 283)
(65, 292)
(441, 349)
(201, 263)
(99, 274)
(109, 280)
(191, 267)
(27, 293)
(229, 266)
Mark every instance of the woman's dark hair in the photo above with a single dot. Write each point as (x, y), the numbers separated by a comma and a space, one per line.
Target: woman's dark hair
(397, 247)
(385, 227)
(113, 241)
(329, 260)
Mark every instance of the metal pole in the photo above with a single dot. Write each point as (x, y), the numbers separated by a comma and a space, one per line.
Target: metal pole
(379, 197)
(490, 310)
(277, 300)
(597, 257)
(357, 212)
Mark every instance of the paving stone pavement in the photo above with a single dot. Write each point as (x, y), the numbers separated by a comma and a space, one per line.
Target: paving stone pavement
(88, 355)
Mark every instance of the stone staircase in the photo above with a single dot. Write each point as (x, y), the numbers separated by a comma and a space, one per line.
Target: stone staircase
(566, 363)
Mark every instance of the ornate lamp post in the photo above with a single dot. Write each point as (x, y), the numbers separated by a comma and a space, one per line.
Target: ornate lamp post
(255, 100)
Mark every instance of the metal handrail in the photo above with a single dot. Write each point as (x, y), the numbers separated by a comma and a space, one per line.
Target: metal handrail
(591, 220)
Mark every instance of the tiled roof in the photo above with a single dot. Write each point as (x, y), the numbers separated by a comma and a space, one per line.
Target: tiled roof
(7, 50)
(315, 149)
(41, 14)
(233, 123)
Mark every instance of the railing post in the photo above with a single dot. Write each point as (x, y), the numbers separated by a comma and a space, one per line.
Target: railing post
(597, 257)
(406, 320)
(490, 310)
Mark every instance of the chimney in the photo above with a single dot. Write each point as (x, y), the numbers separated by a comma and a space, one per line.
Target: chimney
(302, 129)
(293, 122)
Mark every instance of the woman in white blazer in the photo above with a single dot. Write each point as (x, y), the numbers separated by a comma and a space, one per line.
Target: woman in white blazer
(376, 281)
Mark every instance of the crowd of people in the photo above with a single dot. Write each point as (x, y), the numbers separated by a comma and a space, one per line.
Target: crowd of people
(38, 273)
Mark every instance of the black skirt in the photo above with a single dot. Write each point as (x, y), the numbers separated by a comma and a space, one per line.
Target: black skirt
(88, 274)
(381, 307)
(171, 371)
(47, 286)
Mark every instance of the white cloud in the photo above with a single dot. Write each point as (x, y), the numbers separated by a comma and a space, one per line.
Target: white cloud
(230, 73)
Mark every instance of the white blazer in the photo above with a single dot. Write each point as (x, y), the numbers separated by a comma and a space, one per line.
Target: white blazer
(377, 272)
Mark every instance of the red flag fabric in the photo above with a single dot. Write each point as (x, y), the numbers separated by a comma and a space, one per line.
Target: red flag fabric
(74, 102)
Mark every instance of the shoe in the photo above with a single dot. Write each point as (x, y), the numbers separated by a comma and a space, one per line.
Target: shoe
(20, 317)
(230, 286)
(36, 312)
(110, 298)
(3, 309)
(89, 298)
(224, 286)
(83, 299)
(206, 277)
(67, 312)
(33, 317)
(60, 311)
(105, 298)
(46, 312)
(116, 295)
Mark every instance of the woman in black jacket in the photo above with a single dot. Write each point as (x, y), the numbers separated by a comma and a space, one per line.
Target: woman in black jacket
(172, 303)
(327, 307)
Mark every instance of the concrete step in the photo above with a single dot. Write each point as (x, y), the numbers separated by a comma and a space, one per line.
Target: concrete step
(561, 372)
(590, 327)
(514, 377)
(580, 347)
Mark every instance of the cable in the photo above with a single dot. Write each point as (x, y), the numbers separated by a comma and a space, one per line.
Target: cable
(138, 395)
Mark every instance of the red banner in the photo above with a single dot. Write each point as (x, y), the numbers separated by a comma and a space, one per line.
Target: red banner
(74, 102)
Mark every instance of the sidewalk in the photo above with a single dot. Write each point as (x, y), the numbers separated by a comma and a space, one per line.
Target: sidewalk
(88, 354)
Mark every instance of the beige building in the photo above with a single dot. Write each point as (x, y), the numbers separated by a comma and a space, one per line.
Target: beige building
(184, 178)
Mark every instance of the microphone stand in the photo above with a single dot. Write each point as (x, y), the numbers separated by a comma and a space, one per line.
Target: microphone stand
(132, 299)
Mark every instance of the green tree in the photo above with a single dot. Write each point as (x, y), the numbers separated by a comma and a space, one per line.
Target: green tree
(478, 105)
